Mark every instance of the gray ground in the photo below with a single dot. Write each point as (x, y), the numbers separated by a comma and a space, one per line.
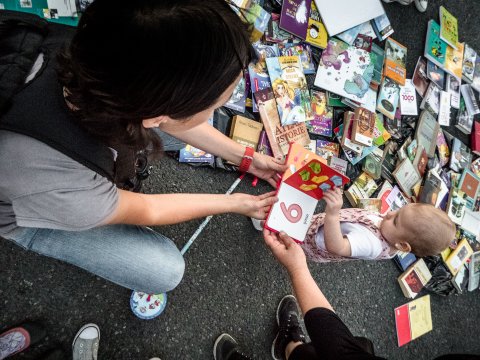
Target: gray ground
(232, 284)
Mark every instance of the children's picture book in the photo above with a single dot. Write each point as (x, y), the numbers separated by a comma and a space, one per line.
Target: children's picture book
(407, 176)
(408, 99)
(298, 156)
(453, 87)
(395, 61)
(474, 272)
(460, 156)
(382, 27)
(469, 184)
(443, 150)
(435, 47)
(420, 79)
(470, 100)
(363, 187)
(257, 71)
(414, 279)
(322, 114)
(444, 109)
(345, 70)
(338, 164)
(372, 204)
(372, 164)
(278, 136)
(363, 126)
(238, 98)
(190, 154)
(454, 60)
(245, 131)
(431, 100)
(298, 195)
(350, 35)
(294, 17)
(448, 27)
(316, 33)
(413, 320)
(396, 200)
(404, 259)
(459, 257)
(435, 74)
(363, 41)
(464, 121)
(380, 134)
(456, 206)
(427, 132)
(378, 55)
(468, 65)
(290, 88)
(303, 51)
(388, 98)
(327, 149)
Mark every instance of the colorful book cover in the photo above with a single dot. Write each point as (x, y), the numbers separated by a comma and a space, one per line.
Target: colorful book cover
(303, 51)
(380, 134)
(382, 27)
(383, 194)
(190, 154)
(350, 35)
(454, 60)
(372, 204)
(362, 188)
(290, 88)
(363, 42)
(278, 135)
(338, 164)
(294, 17)
(238, 98)
(334, 100)
(298, 156)
(413, 320)
(407, 176)
(347, 134)
(395, 61)
(259, 17)
(475, 138)
(468, 66)
(453, 88)
(457, 203)
(436, 74)
(373, 164)
(404, 260)
(396, 200)
(323, 114)
(245, 131)
(461, 156)
(378, 57)
(345, 70)
(469, 184)
(420, 79)
(274, 34)
(327, 149)
(363, 127)
(443, 150)
(414, 279)
(316, 32)
(264, 145)
(448, 27)
(388, 98)
(459, 257)
(435, 47)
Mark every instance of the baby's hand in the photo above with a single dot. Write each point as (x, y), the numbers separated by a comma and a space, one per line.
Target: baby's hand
(334, 201)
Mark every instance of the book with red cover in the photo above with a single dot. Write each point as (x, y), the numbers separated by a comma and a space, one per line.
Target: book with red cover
(475, 141)
(413, 320)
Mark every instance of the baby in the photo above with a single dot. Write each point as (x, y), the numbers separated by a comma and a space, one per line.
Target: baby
(338, 234)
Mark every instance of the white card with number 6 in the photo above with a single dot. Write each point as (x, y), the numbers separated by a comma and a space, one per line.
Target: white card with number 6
(292, 213)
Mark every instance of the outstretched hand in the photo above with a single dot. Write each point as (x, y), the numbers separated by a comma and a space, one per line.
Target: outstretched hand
(286, 251)
(255, 206)
(267, 168)
(334, 201)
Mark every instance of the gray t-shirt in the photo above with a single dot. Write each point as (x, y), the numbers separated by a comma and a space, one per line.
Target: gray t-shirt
(41, 187)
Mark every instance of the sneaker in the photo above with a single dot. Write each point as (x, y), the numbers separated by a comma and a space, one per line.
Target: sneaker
(421, 5)
(225, 346)
(288, 320)
(401, 2)
(19, 338)
(85, 344)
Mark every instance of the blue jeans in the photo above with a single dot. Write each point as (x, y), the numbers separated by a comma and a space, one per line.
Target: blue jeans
(134, 257)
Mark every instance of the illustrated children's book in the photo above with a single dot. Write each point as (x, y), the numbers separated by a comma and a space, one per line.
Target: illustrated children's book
(413, 320)
(290, 88)
(420, 79)
(327, 149)
(298, 195)
(435, 47)
(257, 71)
(274, 34)
(294, 17)
(395, 61)
(303, 51)
(322, 115)
(454, 60)
(448, 27)
(414, 279)
(345, 70)
(468, 66)
(388, 98)
(316, 33)
(190, 154)
(279, 136)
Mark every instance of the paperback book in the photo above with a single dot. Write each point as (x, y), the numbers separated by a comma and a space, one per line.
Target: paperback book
(327, 149)
(420, 79)
(469, 184)
(382, 27)
(464, 119)
(407, 176)
(474, 272)
(347, 133)
(380, 134)
(453, 60)
(475, 138)
(363, 126)
(388, 98)
(382, 195)
(459, 257)
(350, 35)
(431, 100)
(345, 70)
(448, 27)
(396, 200)
(338, 164)
(456, 206)
(443, 150)
(362, 188)
(372, 204)
(294, 17)
(427, 132)
(470, 100)
(395, 61)
(316, 33)
(404, 259)
(468, 65)
(413, 320)
(476, 75)
(274, 34)
(435, 47)
(190, 154)
(378, 56)
(414, 279)
(444, 109)
(363, 42)
(264, 145)
(322, 115)
(372, 164)
(408, 99)
(430, 190)
(435, 74)
(245, 131)
(257, 71)
(460, 156)
(290, 88)
(453, 88)
(239, 97)
(303, 51)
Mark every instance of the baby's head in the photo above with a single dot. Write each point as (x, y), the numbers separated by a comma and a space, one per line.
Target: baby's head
(418, 228)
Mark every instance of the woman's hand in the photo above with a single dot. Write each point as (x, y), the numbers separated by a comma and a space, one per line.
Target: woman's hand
(286, 251)
(267, 168)
(334, 201)
(254, 206)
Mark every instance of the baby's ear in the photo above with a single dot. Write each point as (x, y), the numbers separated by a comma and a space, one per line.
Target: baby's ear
(403, 246)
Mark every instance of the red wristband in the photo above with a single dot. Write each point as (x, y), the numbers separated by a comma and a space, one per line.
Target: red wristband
(246, 160)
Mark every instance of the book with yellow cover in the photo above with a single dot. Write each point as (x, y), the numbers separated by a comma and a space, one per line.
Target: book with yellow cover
(459, 256)
(454, 60)
(413, 320)
(316, 33)
(395, 61)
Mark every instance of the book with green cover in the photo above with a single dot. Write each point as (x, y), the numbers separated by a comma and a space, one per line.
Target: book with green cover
(435, 47)
(448, 27)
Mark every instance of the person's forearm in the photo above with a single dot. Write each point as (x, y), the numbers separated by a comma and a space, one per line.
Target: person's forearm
(209, 139)
(335, 243)
(308, 293)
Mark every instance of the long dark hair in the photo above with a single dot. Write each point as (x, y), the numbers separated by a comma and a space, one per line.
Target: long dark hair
(137, 59)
